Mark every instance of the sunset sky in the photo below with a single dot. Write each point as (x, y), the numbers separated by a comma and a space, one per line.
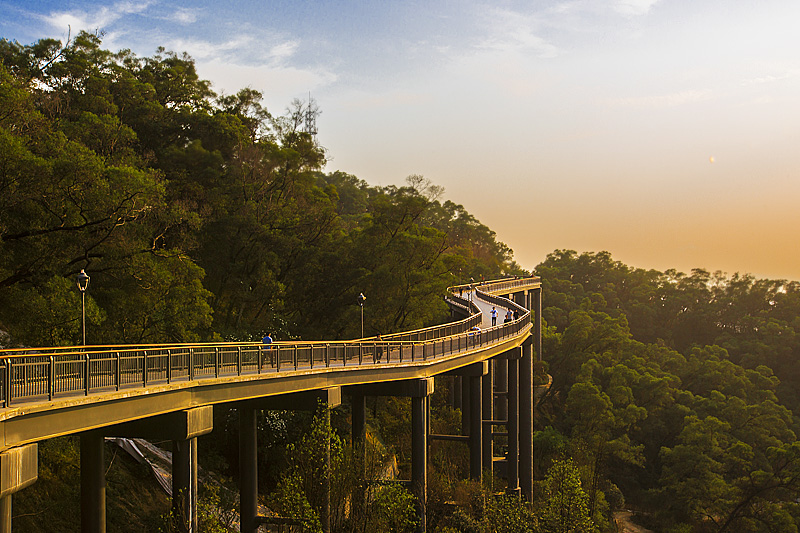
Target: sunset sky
(666, 132)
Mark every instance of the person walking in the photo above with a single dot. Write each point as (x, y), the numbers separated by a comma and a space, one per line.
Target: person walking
(494, 316)
(266, 340)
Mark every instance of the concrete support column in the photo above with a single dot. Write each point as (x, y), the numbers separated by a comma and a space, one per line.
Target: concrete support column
(248, 470)
(501, 388)
(475, 423)
(359, 422)
(526, 420)
(457, 395)
(466, 405)
(93, 483)
(487, 393)
(358, 428)
(5, 514)
(512, 460)
(419, 457)
(184, 484)
(19, 468)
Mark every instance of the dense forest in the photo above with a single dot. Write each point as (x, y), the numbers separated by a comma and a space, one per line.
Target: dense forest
(201, 216)
(672, 394)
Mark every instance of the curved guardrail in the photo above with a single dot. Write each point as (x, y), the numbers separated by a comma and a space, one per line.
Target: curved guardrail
(45, 374)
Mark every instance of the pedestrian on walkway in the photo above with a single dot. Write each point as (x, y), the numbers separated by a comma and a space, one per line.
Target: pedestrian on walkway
(494, 316)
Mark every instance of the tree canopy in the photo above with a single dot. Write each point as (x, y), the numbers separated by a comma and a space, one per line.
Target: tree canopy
(201, 216)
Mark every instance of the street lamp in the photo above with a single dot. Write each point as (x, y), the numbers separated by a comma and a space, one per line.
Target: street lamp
(83, 284)
(471, 288)
(361, 299)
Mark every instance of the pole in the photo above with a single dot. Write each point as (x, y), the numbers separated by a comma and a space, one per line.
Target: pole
(83, 315)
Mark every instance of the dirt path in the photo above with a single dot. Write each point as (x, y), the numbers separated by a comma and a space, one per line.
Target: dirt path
(624, 524)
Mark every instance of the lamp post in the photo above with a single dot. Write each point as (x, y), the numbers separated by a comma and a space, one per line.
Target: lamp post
(471, 288)
(361, 299)
(83, 284)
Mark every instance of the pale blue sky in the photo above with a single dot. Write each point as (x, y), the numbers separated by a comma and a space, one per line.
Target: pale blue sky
(583, 124)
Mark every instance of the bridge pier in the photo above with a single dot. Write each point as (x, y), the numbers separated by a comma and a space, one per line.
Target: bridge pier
(419, 458)
(248, 470)
(526, 420)
(248, 448)
(19, 468)
(93, 482)
(184, 484)
(512, 456)
(487, 426)
(419, 391)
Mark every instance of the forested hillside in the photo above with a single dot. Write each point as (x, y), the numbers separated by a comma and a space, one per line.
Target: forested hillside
(674, 394)
(201, 216)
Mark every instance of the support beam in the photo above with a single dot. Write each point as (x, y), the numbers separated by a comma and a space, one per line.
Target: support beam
(475, 423)
(500, 388)
(179, 425)
(466, 406)
(248, 471)
(93, 483)
(419, 458)
(512, 460)
(526, 420)
(358, 428)
(19, 468)
(486, 420)
(297, 401)
(184, 484)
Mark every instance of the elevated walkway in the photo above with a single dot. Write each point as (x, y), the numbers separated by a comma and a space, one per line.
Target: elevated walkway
(131, 391)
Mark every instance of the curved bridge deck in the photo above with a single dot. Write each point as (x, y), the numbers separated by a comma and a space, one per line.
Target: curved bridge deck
(48, 392)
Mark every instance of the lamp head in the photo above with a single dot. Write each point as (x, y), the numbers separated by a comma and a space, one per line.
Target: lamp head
(83, 281)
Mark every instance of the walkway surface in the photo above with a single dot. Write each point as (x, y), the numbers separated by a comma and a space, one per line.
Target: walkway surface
(626, 525)
(486, 309)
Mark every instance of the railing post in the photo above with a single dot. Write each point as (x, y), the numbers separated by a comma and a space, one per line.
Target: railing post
(86, 375)
(51, 379)
(327, 355)
(216, 361)
(169, 365)
(191, 364)
(294, 356)
(277, 357)
(238, 360)
(7, 384)
(144, 368)
(259, 357)
(118, 371)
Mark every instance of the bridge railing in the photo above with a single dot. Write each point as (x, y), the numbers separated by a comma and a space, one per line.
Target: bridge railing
(63, 372)
(37, 374)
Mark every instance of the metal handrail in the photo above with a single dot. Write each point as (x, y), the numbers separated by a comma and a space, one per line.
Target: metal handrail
(45, 374)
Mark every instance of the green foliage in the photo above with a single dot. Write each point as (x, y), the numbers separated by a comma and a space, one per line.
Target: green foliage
(566, 505)
(200, 216)
(663, 385)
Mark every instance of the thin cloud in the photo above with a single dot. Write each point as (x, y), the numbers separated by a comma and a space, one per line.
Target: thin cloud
(512, 31)
(662, 100)
(633, 8)
(185, 15)
(98, 19)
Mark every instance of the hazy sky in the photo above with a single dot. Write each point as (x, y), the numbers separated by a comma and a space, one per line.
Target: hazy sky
(666, 132)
